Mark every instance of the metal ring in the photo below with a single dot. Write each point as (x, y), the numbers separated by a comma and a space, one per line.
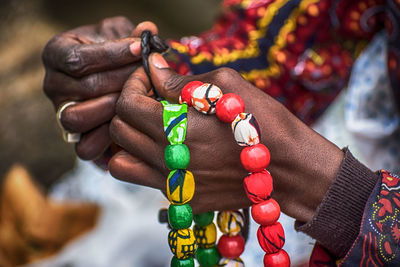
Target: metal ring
(67, 136)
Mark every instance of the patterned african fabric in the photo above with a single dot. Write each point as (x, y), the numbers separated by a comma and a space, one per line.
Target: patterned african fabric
(378, 241)
(299, 52)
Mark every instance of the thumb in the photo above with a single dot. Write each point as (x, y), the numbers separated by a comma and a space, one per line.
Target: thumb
(166, 81)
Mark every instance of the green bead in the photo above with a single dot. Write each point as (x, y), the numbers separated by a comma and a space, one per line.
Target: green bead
(175, 262)
(207, 257)
(177, 156)
(180, 216)
(204, 219)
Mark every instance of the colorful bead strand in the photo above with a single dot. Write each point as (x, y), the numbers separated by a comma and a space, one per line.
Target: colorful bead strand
(255, 157)
(180, 186)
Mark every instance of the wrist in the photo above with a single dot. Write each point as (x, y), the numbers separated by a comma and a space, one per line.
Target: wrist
(303, 164)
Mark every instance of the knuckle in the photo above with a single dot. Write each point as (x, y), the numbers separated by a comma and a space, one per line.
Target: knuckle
(174, 84)
(224, 74)
(120, 20)
(73, 62)
(112, 22)
(125, 104)
(115, 127)
(116, 168)
(49, 49)
(47, 88)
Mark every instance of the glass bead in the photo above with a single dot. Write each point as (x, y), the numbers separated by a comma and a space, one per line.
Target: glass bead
(230, 222)
(207, 257)
(186, 93)
(228, 107)
(246, 130)
(255, 158)
(206, 236)
(279, 259)
(189, 262)
(177, 156)
(180, 216)
(258, 186)
(182, 243)
(180, 186)
(205, 97)
(204, 218)
(271, 237)
(266, 213)
(231, 247)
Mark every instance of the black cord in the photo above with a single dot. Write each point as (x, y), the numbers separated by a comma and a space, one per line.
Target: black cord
(246, 227)
(151, 43)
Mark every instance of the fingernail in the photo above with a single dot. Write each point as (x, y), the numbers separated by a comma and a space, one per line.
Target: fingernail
(158, 60)
(135, 48)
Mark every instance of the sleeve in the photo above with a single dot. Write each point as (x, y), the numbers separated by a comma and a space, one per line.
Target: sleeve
(337, 220)
(358, 222)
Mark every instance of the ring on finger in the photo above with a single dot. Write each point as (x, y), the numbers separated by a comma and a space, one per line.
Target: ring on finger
(67, 136)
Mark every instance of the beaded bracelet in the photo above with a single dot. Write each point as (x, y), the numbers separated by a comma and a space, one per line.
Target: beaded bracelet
(229, 108)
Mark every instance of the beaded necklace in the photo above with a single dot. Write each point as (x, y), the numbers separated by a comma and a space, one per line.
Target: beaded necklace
(255, 157)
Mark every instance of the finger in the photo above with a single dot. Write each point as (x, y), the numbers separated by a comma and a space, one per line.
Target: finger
(128, 168)
(94, 143)
(116, 27)
(85, 116)
(165, 80)
(68, 56)
(60, 87)
(138, 110)
(137, 143)
(146, 25)
(169, 84)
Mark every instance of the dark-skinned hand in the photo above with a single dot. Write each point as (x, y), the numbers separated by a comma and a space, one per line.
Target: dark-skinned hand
(89, 65)
(303, 164)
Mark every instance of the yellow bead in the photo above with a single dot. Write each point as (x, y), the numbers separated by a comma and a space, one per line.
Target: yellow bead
(230, 222)
(206, 236)
(182, 243)
(180, 186)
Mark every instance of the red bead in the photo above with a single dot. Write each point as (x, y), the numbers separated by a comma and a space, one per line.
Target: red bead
(279, 259)
(255, 158)
(186, 93)
(231, 247)
(271, 237)
(258, 186)
(266, 213)
(228, 107)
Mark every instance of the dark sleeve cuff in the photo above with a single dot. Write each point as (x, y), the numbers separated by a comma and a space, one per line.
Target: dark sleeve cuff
(337, 220)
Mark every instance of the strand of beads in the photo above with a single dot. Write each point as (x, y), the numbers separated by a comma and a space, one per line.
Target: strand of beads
(255, 157)
(180, 186)
(206, 235)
